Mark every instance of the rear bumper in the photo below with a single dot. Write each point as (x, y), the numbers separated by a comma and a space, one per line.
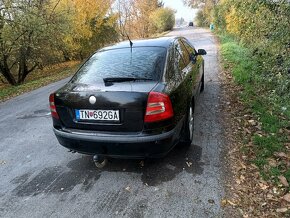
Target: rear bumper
(121, 146)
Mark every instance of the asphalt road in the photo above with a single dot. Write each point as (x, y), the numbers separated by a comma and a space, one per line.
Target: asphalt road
(39, 178)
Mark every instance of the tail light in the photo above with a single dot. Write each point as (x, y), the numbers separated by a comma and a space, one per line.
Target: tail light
(158, 108)
(52, 106)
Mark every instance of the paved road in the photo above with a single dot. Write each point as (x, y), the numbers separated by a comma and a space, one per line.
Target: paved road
(39, 178)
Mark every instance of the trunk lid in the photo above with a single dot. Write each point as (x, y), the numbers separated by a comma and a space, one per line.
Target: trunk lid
(129, 98)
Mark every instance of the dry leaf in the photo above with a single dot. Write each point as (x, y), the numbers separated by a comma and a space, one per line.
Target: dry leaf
(287, 197)
(272, 162)
(252, 122)
(231, 203)
(282, 210)
(280, 154)
(224, 202)
(263, 186)
(128, 188)
(188, 163)
(283, 180)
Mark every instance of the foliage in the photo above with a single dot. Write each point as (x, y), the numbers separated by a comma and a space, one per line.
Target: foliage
(134, 17)
(272, 115)
(91, 26)
(163, 19)
(201, 19)
(35, 34)
(25, 26)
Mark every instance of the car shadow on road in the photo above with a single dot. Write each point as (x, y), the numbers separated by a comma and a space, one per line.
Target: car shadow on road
(154, 171)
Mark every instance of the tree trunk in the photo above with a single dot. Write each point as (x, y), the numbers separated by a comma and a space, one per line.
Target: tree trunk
(23, 70)
(6, 71)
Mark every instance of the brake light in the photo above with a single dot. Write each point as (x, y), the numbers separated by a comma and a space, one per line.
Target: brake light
(52, 106)
(158, 108)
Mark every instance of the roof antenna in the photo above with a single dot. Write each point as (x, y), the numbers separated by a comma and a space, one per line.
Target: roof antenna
(131, 43)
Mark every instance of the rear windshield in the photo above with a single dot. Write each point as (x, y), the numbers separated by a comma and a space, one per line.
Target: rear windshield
(141, 62)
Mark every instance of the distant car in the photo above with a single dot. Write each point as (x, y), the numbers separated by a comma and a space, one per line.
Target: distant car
(131, 102)
(190, 24)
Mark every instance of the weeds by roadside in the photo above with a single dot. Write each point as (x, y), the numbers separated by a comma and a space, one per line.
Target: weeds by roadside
(261, 125)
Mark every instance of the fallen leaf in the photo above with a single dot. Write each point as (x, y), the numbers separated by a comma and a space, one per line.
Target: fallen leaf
(272, 162)
(263, 186)
(280, 154)
(231, 203)
(283, 180)
(188, 163)
(287, 197)
(224, 202)
(128, 188)
(252, 122)
(282, 210)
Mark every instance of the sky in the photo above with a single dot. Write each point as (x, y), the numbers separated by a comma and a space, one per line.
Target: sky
(182, 11)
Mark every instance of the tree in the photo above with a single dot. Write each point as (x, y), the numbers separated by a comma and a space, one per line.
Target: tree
(25, 27)
(91, 26)
(163, 19)
(134, 17)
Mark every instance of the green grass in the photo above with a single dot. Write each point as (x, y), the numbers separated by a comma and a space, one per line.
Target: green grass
(247, 73)
(38, 79)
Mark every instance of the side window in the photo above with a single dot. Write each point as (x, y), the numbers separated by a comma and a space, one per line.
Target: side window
(170, 64)
(179, 62)
(189, 48)
(184, 52)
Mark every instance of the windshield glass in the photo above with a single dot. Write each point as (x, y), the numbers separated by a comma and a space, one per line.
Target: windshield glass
(142, 62)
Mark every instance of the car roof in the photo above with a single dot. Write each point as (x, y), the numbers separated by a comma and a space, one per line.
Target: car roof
(156, 42)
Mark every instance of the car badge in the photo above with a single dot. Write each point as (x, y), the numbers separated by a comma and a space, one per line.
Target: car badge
(92, 99)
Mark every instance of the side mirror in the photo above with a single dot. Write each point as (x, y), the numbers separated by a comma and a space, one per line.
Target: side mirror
(201, 52)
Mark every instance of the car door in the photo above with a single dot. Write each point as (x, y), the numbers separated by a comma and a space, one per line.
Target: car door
(195, 67)
(177, 78)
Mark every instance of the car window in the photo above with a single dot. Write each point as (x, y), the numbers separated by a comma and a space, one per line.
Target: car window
(184, 52)
(174, 61)
(179, 62)
(189, 48)
(141, 62)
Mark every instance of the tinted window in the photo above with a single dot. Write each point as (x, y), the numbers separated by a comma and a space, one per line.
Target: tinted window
(142, 62)
(179, 62)
(184, 53)
(189, 48)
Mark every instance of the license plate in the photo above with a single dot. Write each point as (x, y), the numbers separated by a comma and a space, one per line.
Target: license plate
(110, 115)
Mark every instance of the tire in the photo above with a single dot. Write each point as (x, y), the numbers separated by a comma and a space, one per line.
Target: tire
(189, 125)
(202, 83)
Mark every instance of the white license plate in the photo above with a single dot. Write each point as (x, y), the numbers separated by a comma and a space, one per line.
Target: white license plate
(111, 115)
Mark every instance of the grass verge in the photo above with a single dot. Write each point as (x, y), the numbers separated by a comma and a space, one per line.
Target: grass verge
(269, 126)
(38, 79)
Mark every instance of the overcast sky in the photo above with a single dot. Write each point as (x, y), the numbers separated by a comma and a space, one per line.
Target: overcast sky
(182, 11)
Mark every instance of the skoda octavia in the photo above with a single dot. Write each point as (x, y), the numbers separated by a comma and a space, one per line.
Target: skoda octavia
(131, 100)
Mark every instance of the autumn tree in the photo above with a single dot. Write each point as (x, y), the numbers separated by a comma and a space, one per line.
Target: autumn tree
(25, 27)
(134, 17)
(92, 25)
(163, 19)
(37, 33)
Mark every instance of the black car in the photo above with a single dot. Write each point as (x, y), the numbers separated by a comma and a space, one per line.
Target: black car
(190, 24)
(130, 100)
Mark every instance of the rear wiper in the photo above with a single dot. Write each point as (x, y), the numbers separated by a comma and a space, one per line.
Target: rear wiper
(123, 79)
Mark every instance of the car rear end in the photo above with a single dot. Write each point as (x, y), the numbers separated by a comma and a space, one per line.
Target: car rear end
(115, 106)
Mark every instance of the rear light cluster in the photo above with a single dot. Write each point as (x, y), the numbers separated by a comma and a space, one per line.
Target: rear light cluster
(52, 106)
(158, 108)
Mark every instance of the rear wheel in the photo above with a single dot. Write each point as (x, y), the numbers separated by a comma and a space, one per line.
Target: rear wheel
(189, 125)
